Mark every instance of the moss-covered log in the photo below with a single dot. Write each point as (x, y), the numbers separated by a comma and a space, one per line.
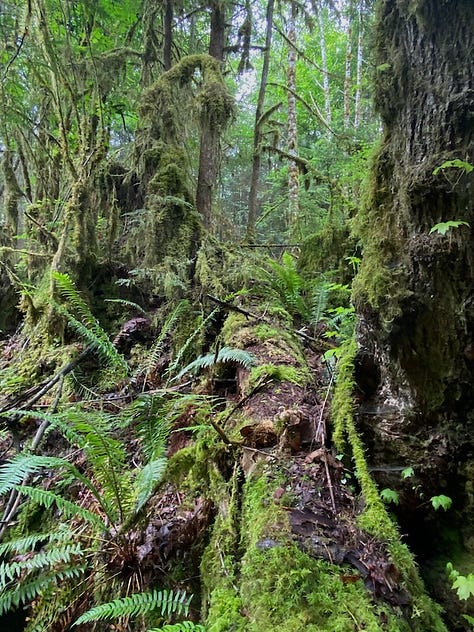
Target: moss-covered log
(290, 548)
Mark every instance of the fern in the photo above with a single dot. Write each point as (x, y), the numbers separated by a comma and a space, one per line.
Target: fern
(84, 322)
(288, 284)
(226, 354)
(168, 602)
(129, 304)
(45, 559)
(183, 626)
(155, 351)
(68, 509)
(21, 466)
(29, 542)
(189, 341)
(28, 589)
(146, 481)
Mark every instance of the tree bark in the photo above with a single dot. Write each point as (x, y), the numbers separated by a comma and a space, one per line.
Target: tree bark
(210, 134)
(414, 289)
(292, 124)
(257, 130)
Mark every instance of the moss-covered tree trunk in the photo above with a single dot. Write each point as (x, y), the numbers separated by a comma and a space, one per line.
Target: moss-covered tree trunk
(415, 287)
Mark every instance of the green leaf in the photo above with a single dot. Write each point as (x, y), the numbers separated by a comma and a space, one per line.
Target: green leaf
(443, 227)
(408, 472)
(441, 501)
(389, 496)
(166, 601)
(458, 164)
(464, 586)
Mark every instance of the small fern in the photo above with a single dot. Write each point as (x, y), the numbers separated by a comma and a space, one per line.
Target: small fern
(147, 480)
(28, 589)
(226, 354)
(68, 509)
(80, 318)
(15, 471)
(183, 626)
(155, 352)
(197, 332)
(58, 555)
(166, 601)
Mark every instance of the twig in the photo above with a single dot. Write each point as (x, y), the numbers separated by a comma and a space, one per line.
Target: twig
(245, 312)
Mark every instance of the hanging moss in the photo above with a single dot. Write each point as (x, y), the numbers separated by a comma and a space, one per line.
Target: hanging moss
(374, 519)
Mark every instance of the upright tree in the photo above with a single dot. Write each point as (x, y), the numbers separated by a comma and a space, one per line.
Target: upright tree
(414, 290)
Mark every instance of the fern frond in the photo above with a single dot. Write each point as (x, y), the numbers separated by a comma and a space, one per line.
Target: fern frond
(319, 303)
(26, 590)
(84, 322)
(47, 498)
(44, 559)
(170, 322)
(146, 481)
(130, 304)
(17, 469)
(183, 626)
(167, 601)
(226, 354)
(29, 542)
(189, 341)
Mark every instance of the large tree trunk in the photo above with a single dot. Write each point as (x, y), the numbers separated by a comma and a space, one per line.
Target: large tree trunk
(415, 288)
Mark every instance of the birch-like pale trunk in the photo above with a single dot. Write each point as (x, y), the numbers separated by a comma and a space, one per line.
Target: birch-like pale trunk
(324, 63)
(360, 52)
(292, 131)
(347, 72)
(257, 130)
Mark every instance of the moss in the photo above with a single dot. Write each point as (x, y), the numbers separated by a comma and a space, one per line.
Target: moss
(375, 519)
(279, 373)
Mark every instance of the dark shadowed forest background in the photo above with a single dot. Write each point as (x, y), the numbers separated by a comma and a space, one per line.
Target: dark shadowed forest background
(237, 315)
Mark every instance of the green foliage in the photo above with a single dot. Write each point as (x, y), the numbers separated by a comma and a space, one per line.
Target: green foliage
(441, 502)
(390, 496)
(408, 472)
(81, 319)
(456, 163)
(462, 584)
(224, 355)
(443, 227)
(184, 626)
(166, 601)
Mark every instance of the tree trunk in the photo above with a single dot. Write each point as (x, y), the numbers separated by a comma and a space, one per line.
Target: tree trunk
(210, 135)
(348, 68)
(257, 130)
(324, 64)
(292, 129)
(414, 289)
(360, 51)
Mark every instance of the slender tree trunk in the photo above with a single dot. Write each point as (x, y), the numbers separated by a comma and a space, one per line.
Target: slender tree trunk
(347, 70)
(324, 63)
(292, 148)
(210, 134)
(257, 130)
(358, 93)
(167, 34)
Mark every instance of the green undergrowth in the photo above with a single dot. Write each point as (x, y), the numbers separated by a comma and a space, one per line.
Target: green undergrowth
(265, 583)
(375, 519)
